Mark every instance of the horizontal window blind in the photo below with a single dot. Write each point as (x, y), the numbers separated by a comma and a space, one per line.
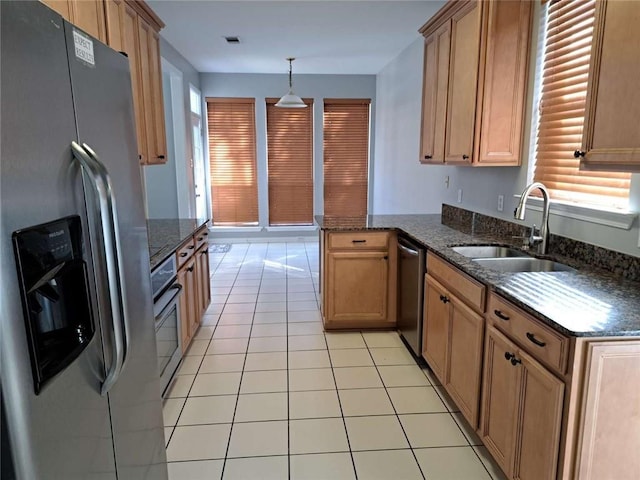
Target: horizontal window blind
(232, 160)
(346, 157)
(562, 108)
(290, 163)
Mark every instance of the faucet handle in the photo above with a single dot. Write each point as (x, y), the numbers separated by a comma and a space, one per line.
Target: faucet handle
(534, 236)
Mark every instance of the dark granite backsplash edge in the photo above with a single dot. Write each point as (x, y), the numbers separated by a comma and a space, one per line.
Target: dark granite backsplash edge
(620, 264)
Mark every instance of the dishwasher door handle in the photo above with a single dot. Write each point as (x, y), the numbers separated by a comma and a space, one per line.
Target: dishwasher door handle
(413, 253)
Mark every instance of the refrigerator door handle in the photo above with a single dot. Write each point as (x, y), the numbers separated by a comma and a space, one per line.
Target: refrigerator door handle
(100, 180)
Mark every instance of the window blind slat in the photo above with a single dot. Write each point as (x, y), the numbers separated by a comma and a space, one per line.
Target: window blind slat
(346, 157)
(232, 160)
(290, 164)
(562, 109)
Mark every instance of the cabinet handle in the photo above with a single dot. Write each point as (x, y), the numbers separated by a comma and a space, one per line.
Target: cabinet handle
(204, 252)
(386, 257)
(184, 254)
(578, 154)
(161, 157)
(465, 157)
(191, 247)
(205, 233)
(190, 269)
(358, 241)
(533, 339)
(444, 299)
(428, 157)
(200, 239)
(512, 358)
(501, 315)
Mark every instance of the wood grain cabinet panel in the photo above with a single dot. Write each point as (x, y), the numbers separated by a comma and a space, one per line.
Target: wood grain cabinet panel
(85, 14)
(521, 410)
(188, 302)
(479, 52)
(202, 274)
(463, 81)
(358, 279)
(453, 336)
(434, 94)
(610, 139)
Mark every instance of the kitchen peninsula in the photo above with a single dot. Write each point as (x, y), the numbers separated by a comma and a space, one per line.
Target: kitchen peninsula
(548, 373)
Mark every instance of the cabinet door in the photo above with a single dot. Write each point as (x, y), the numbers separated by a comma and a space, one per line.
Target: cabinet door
(538, 422)
(464, 365)
(185, 322)
(357, 286)
(204, 290)
(463, 82)
(89, 16)
(62, 7)
(504, 83)
(434, 94)
(610, 137)
(436, 327)
(149, 50)
(122, 35)
(500, 399)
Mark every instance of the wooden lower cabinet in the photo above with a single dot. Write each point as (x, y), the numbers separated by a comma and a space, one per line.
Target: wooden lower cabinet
(452, 346)
(202, 273)
(522, 410)
(358, 280)
(189, 316)
(357, 286)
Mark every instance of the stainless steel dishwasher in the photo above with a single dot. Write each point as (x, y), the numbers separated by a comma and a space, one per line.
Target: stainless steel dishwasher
(411, 271)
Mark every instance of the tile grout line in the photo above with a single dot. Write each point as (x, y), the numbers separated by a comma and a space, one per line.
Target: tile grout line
(235, 408)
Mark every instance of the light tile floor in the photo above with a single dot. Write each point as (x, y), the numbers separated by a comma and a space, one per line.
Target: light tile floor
(265, 393)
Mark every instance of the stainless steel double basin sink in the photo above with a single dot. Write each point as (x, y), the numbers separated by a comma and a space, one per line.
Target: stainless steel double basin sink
(505, 259)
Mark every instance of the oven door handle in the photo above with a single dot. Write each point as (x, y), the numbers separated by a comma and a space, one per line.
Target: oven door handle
(166, 301)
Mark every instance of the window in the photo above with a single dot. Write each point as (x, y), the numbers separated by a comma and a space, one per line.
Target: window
(346, 157)
(569, 32)
(232, 158)
(290, 164)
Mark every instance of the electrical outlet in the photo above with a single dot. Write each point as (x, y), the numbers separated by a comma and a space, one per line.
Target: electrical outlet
(459, 195)
(500, 203)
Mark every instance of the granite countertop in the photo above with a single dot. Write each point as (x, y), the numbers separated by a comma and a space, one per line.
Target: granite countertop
(166, 235)
(583, 303)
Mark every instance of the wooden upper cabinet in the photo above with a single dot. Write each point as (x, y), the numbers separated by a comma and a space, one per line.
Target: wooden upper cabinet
(133, 28)
(484, 74)
(463, 81)
(610, 139)
(122, 35)
(434, 94)
(85, 14)
(501, 110)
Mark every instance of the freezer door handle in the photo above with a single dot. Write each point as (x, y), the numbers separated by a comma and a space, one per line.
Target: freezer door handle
(99, 178)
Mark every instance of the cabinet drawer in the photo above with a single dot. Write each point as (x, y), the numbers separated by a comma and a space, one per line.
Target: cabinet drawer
(466, 288)
(359, 240)
(201, 237)
(537, 339)
(185, 252)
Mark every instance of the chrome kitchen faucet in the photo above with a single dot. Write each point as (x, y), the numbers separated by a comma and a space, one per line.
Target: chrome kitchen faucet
(542, 239)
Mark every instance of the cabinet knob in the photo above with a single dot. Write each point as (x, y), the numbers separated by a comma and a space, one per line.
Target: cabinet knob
(534, 340)
(191, 247)
(465, 157)
(501, 315)
(578, 153)
(161, 157)
(190, 269)
(444, 299)
(184, 254)
(428, 157)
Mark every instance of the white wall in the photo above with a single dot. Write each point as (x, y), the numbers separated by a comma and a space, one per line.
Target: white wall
(318, 87)
(402, 185)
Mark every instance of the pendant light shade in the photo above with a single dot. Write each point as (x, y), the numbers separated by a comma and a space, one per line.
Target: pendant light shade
(291, 100)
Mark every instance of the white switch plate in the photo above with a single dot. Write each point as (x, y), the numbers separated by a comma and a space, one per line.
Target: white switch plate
(500, 203)
(459, 195)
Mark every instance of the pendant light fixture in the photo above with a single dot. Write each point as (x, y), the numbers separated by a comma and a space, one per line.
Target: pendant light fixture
(290, 100)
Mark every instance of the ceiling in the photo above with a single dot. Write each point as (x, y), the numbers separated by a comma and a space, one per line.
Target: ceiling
(325, 36)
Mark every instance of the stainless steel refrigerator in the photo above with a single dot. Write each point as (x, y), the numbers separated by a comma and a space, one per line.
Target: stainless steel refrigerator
(80, 387)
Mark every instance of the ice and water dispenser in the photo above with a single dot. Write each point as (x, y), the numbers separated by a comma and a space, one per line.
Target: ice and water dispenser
(55, 295)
